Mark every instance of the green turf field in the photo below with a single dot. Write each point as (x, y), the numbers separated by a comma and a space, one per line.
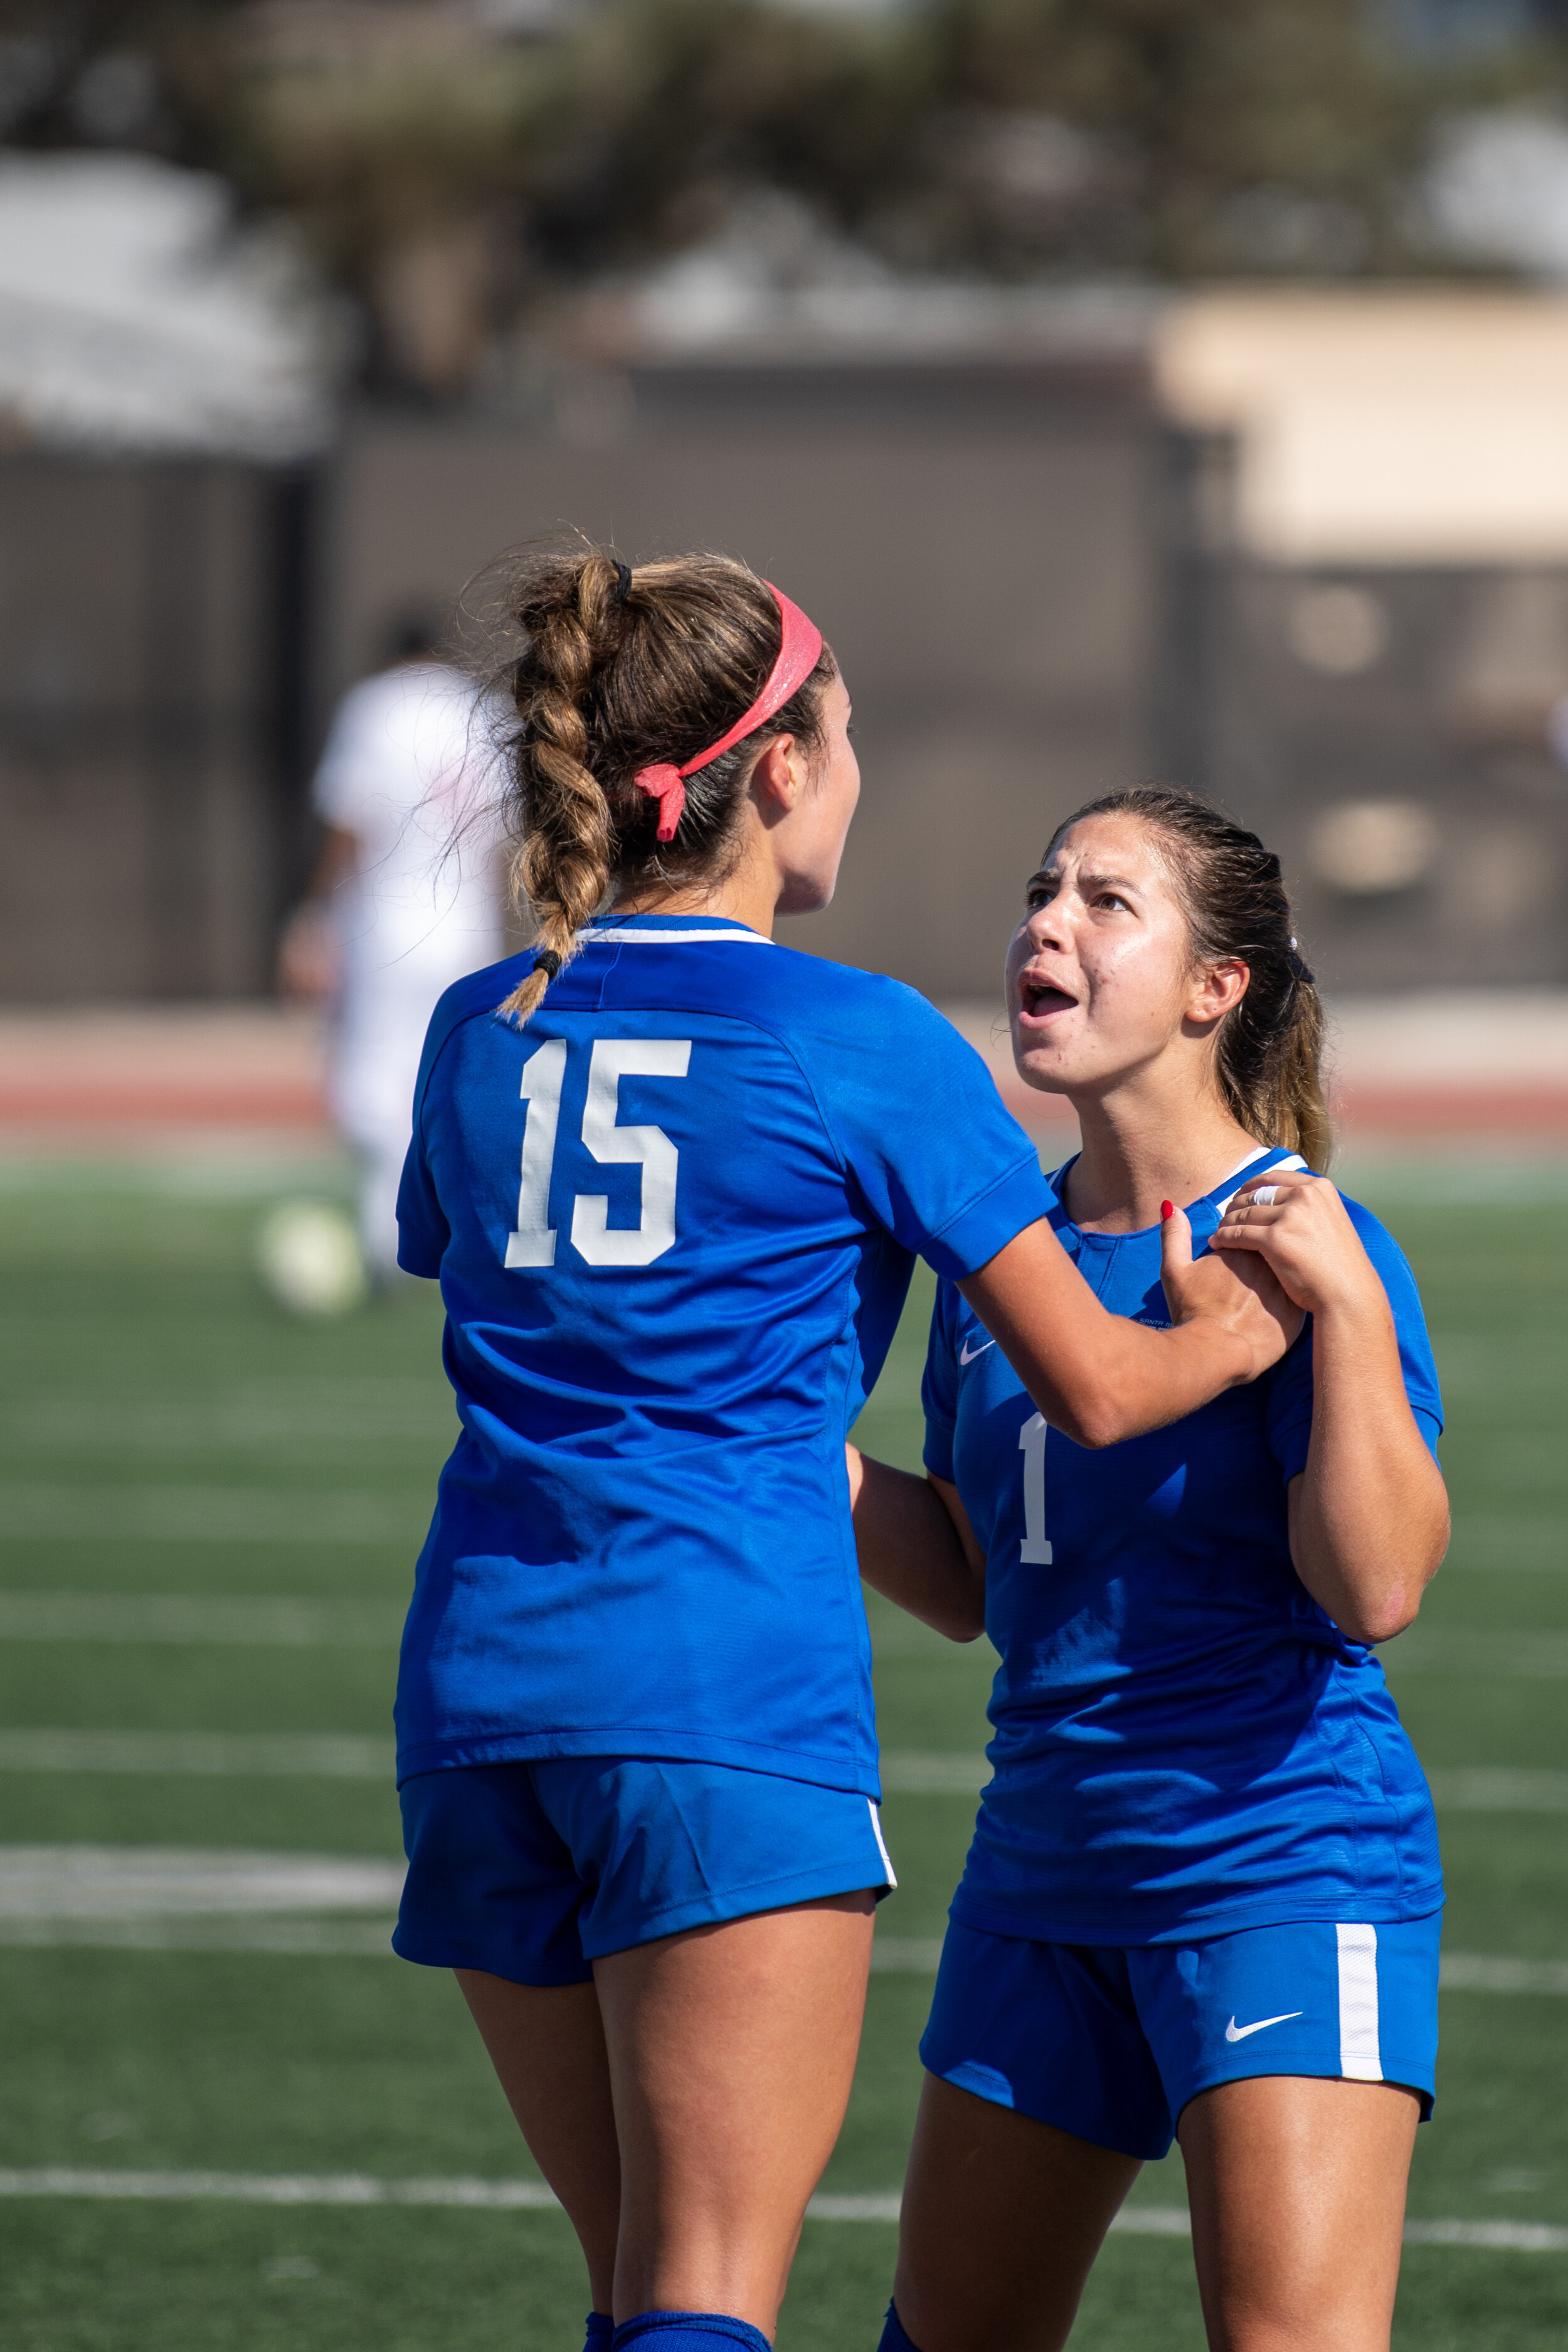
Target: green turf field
(166, 1434)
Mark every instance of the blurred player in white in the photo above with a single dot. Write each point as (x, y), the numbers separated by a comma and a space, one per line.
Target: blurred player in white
(406, 899)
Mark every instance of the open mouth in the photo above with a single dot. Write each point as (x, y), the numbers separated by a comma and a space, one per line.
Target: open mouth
(1038, 1001)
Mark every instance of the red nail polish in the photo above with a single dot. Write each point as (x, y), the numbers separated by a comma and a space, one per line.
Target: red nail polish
(1167, 1209)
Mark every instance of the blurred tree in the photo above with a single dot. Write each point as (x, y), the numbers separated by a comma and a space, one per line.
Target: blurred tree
(450, 162)
(1175, 137)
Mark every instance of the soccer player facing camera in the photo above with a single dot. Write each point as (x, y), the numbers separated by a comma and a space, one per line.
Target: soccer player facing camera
(1202, 1897)
(673, 1178)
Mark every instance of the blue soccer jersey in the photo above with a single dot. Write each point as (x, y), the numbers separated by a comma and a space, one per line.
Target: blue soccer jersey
(674, 1218)
(1183, 1739)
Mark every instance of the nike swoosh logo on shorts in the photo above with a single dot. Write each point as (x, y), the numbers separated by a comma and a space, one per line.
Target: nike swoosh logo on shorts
(1234, 2033)
(967, 1354)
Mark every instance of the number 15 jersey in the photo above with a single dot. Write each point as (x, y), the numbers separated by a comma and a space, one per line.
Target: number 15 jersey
(674, 1218)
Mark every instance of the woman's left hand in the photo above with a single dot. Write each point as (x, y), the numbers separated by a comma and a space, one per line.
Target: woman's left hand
(1305, 1233)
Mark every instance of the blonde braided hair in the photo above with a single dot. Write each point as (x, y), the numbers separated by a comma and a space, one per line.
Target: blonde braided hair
(561, 867)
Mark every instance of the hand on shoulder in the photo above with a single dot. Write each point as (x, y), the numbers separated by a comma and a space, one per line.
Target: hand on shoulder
(1244, 1295)
(1301, 1227)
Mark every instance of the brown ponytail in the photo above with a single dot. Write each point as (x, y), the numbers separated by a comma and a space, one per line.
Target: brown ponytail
(1234, 896)
(619, 669)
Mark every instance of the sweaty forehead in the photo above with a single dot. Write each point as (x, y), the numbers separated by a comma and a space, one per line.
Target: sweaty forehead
(1125, 846)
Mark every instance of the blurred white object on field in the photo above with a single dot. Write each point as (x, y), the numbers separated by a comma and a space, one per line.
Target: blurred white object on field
(307, 1254)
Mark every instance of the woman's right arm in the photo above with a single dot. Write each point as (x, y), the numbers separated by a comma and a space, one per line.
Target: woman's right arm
(916, 1545)
(1100, 1377)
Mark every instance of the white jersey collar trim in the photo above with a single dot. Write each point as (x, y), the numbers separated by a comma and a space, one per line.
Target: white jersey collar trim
(1291, 1160)
(615, 936)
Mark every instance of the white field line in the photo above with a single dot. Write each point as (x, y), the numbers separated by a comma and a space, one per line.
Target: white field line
(1508, 2237)
(195, 1899)
(1495, 1790)
(1485, 1545)
(287, 1621)
(905, 1956)
(1521, 1656)
(311, 1415)
(362, 1755)
(371, 1939)
(1479, 1972)
(1457, 1971)
(1484, 1790)
(262, 1622)
(324, 1755)
(919, 1772)
(314, 1939)
(367, 2189)
(206, 1515)
(87, 1882)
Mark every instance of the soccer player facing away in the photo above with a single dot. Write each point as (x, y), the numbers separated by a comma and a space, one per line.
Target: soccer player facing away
(1204, 1894)
(673, 1178)
(404, 900)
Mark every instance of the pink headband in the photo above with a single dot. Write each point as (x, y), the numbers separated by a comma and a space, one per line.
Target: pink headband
(800, 650)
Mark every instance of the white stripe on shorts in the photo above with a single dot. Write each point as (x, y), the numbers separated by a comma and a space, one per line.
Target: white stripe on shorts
(1360, 2059)
(881, 1842)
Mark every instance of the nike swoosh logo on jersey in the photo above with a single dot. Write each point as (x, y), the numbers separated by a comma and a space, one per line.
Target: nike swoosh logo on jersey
(967, 1354)
(1234, 2033)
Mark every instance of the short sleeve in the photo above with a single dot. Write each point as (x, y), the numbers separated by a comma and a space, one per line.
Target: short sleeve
(352, 777)
(939, 1383)
(1290, 1418)
(937, 1157)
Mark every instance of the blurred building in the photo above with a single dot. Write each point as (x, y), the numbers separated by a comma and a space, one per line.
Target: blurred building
(1376, 634)
(972, 508)
(164, 379)
(1308, 551)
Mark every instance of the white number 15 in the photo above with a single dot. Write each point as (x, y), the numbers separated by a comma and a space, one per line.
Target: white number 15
(593, 1236)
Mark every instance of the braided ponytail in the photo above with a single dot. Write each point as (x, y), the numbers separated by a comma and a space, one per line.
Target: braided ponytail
(561, 867)
(620, 670)
(1234, 896)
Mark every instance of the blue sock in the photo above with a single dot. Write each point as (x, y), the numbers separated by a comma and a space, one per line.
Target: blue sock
(893, 2336)
(601, 2328)
(687, 2331)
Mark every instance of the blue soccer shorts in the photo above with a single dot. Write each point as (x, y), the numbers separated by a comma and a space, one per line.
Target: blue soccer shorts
(1110, 2043)
(534, 1871)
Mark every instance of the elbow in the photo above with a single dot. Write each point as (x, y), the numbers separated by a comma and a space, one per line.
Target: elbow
(1400, 1605)
(952, 1624)
(1092, 1421)
(1388, 1615)
(1386, 1624)
(963, 1619)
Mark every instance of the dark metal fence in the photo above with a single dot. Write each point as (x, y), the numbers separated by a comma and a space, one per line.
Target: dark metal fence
(1025, 574)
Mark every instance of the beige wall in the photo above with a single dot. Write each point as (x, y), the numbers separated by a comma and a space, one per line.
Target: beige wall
(1382, 427)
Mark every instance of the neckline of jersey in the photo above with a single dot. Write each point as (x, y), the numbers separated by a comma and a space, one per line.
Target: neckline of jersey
(622, 930)
(1219, 1196)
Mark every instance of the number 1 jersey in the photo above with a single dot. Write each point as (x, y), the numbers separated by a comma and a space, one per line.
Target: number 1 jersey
(674, 1217)
(1184, 1741)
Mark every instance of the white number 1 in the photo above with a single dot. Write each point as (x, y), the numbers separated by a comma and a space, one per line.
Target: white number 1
(594, 1238)
(1035, 1549)
(544, 1075)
